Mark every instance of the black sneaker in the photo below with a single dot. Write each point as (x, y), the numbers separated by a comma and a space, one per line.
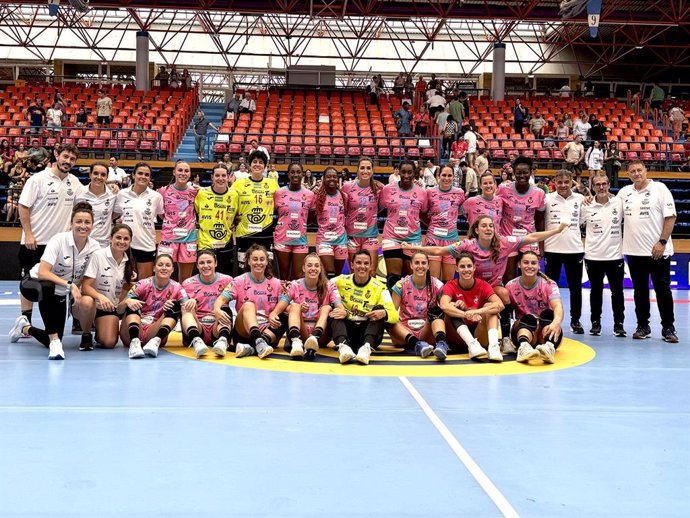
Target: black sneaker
(310, 355)
(642, 332)
(86, 343)
(670, 335)
(619, 330)
(596, 329)
(577, 328)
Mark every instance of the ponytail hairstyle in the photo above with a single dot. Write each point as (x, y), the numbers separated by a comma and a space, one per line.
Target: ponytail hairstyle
(129, 265)
(322, 281)
(320, 191)
(495, 244)
(84, 207)
(428, 279)
(269, 262)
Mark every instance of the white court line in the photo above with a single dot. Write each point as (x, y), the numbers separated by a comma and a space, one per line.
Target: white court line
(489, 488)
(9, 302)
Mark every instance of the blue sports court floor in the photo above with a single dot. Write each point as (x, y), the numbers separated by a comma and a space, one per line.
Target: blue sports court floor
(100, 435)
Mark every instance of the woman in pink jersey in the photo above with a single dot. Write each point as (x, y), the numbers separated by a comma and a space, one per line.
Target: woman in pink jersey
(256, 294)
(331, 237)
(538, 312)
(178, 234)
(153, 308)
(361, 212)
(487, 203)
(472, 309)
(311, 301)
(199, 325)
(444, 205)
(292, 204)
(421, 320)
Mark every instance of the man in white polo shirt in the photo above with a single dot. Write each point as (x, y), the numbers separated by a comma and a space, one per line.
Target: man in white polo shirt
(565, 249)
(650, 214)
(45, 207)
(117, 175)
(603, 219)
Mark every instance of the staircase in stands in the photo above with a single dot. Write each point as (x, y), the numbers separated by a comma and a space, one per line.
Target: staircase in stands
(213, 112)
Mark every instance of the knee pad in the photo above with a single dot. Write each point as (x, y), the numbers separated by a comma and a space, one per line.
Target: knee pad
(280, 331)
(392, 279)
(546, 317)
(435, 313)
(228, 312)
(174, 311)
(34, 290)
(528, 322)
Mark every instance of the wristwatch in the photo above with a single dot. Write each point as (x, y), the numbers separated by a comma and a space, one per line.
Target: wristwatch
(663, 241)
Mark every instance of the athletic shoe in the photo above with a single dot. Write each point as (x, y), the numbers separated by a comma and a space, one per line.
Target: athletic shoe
(547, 352)
(363, 354)
(441, 351)
(262, 348)
(16, 332)
(670, 335)
(475, 350)
(76, 327)
(86, 343)
(242, 350)
(642, 332)
(345, 353)
(200, 348)
(423, 349)
(596, 329)
(135, 350)
(311, 344)
(495, 353)
(297, 350)
(507, 346)
(577, 328)
(151, 347)
(220, 347)
(619, 331)
(526, 353)
(310, 355)
(55, 351)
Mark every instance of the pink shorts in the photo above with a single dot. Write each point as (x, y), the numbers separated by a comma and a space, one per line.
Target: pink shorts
(339, 252)
(180, 252)
(295, 249)
(436, 241)
(362, 243)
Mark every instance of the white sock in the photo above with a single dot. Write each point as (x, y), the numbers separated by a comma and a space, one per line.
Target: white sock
(465, 334)
(493, 336)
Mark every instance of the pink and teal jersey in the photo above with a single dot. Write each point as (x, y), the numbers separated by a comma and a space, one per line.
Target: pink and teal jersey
(415, 301)
(479, 206)
(331, 220)
(298, 293)
(444, 207)
(179, 220)
(292, 208)
(403, 207)
(361, 210)
(205, 294)
(519, 209)
(154, 297)
(532, 300)
(264, 294)
(486, 269)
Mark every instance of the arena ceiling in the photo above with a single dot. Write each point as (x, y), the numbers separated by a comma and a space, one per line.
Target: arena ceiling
(379, 35)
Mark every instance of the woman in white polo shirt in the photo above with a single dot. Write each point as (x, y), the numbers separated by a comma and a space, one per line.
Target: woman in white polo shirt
(138, 207)
(107, 280)
(102, 201)
(58, 275)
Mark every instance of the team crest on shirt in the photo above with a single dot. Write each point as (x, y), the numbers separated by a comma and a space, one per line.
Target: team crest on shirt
(476, 300)
(256, 216)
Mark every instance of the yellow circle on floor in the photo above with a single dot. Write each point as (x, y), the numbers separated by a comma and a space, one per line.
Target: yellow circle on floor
(392, 361)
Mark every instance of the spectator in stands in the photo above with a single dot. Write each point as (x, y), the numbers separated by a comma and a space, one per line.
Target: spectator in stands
(481, 163)
(574, 155)
(116, 175)
(676, 117)
(519, 117)
(403, 120)
(457, 110)
(141, 119)
(471, 140)
(562, 131)
(54, 119)
(594, 158)
(656, 99)
(581, 126)
(598, 131)
(201, 125)
(394, 177)
(248, 104)
(536, 125)
(420, 93)
(448, 134)
(14, 190)
(465, 103)
(549, 134)
(612, 163)
(471, 186)
(186, 80)
(541, 183)
(256, 147)
(434, 84)
(273, 172)
(580, 185)
(421, 122)
(241, 173)
(104, 109)
(6, 155)
(232, 108)
(568, 123)
(565, 91)
(437, 104)
(162, 77)
(429, 175)
(457, 173)
(399, 83)
(37, 116)
(174, 78)
(81, 119)
(309, 180)
(38, 158)
(195, 181)
(440, 120)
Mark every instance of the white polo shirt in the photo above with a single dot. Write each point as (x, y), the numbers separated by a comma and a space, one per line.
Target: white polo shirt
(139, 211)
(103, 206)
(50, 200)
(471, 140)
(644, 213)
(116, 175)
(604, 223)
(68, 262)
(108, 275)
(563, 210)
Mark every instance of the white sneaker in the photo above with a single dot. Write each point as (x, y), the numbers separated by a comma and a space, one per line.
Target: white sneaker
(135, 350)
(220, 347)
(526, 353)
(297, 350)
(200, 348)
(16, 332)
(495, 353)
(475, 350)
(263, 349)
(311, 344)
(345, 353)
(55, 351)
(507, 346)
(363, 354)
(151, 347)
(547, 352)
(243, 350)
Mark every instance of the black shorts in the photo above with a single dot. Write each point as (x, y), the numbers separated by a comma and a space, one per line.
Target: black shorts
(103, 119)
(395, 253)
(142, 256)
(29, 258)
(656, 104)
(100, 313)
